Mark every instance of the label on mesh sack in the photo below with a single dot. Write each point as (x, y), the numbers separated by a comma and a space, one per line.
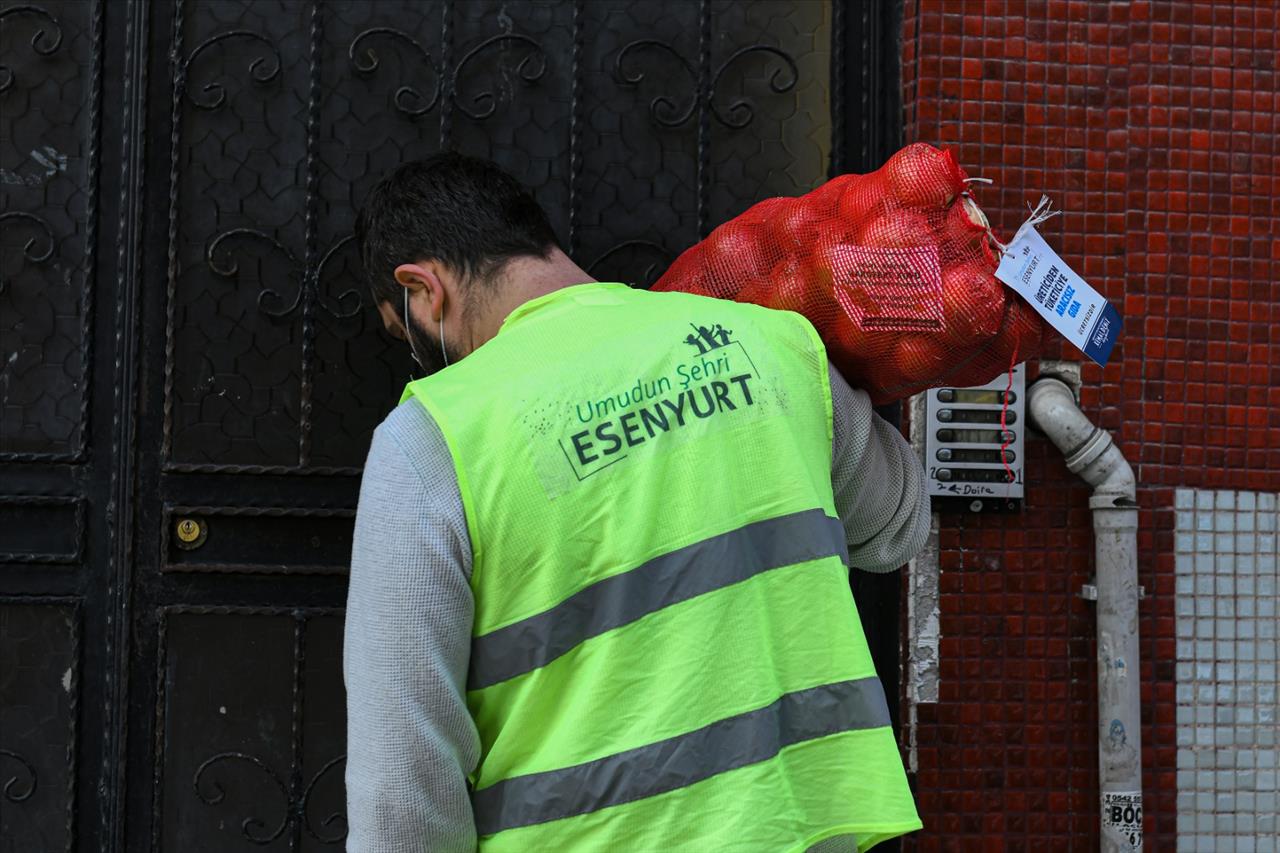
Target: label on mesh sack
(1065, 300)
(890, 289)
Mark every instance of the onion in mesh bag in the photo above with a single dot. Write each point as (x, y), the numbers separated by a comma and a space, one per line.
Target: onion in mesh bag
(893, 268)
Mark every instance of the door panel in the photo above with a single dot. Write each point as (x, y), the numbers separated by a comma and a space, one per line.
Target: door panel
(39, 694)
(51, 101)
(250, 730)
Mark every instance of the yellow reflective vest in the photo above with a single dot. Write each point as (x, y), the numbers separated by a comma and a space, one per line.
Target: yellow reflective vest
(666, 655)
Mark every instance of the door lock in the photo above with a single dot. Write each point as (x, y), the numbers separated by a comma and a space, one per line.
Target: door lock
(191, 533)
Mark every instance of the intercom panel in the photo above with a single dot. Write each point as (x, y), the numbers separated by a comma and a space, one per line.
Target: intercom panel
(970, 455)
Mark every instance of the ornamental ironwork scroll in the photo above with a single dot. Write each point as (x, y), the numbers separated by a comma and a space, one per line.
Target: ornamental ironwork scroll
(262, 69)
(23, 783)
(223, 261)
(38, 248)
(665, 108)
(413, 102)
(408, 99)
(332, 829)
(45, 42)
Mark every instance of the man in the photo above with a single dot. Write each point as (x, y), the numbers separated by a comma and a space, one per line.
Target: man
(599, 598)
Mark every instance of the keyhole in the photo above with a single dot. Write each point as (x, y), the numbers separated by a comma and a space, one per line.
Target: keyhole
(190, 533)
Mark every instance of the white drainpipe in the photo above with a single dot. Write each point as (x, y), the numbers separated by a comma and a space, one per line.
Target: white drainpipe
(1092, 454)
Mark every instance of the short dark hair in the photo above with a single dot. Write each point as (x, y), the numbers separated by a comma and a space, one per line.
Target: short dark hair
(463, 211)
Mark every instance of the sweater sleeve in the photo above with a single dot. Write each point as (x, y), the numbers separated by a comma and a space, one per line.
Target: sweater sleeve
(411, 742)
(878, 483)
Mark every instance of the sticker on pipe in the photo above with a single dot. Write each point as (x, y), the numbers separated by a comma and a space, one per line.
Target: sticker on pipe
(1065, 300)
(1122, 819)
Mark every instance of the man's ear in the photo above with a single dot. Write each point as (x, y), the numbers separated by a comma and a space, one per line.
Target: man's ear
(425, 277)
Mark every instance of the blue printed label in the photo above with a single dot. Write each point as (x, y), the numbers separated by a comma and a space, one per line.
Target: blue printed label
(1065, 300)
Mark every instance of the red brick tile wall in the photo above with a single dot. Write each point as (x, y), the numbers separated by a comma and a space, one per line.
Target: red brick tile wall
(1153, 126)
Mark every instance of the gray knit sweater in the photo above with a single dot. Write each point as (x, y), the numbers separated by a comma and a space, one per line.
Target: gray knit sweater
(410, 739)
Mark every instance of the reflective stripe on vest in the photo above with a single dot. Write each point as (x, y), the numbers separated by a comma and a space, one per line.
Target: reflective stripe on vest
(679, 761)
(621, 599)
(664, 636)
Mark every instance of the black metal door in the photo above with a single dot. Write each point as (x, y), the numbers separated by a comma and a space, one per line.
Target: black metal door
(190, 370)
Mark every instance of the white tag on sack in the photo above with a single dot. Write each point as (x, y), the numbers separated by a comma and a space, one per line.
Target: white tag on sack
(1066, 301)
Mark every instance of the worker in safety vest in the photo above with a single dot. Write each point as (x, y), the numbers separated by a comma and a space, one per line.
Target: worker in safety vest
(599, 598)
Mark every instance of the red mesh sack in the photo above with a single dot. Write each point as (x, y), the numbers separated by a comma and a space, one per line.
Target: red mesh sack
(893, 268)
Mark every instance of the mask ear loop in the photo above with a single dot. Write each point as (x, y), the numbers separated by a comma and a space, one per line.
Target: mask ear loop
(408, 332)
(444, 355)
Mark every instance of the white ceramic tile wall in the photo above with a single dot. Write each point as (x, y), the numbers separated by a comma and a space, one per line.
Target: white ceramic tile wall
(1226, 671)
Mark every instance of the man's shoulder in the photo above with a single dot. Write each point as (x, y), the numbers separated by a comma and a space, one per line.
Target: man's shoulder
(409, 434)
(407, 421)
